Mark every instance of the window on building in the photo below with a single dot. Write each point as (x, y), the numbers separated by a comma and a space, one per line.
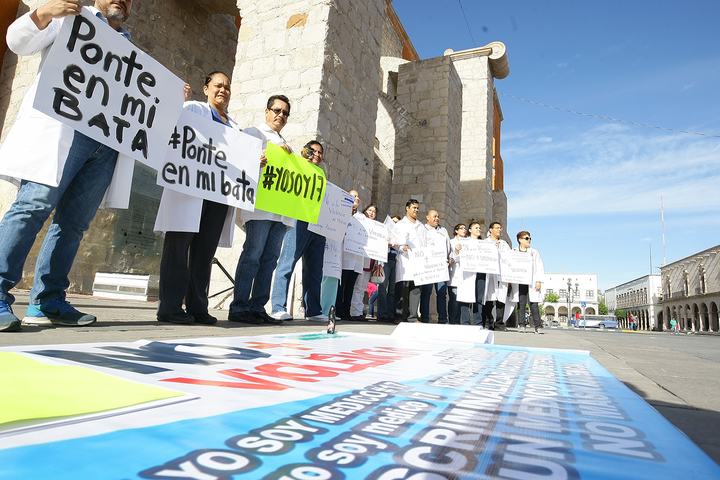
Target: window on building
(563, 292)
(550, 290)
(589, 294)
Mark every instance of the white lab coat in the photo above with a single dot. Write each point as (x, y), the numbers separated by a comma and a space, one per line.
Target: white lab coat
(538, 275)
(414, 235)
(464, 281)
(37, 146)
(350, 261)
(179, 212)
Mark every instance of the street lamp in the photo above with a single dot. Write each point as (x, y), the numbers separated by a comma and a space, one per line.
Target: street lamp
(569, 299)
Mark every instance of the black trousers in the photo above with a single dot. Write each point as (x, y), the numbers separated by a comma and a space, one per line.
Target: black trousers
(186, 263)
(344, 293)
(534, 310)
(488, 315)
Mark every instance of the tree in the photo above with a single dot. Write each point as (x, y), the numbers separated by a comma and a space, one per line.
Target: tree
(602, 308)
(620, 313)
(551, 297)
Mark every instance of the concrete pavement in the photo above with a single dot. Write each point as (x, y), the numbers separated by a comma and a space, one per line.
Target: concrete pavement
(679, 375)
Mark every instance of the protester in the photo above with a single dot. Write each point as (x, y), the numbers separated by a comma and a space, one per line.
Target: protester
(386, 290)
(526, 294)
(494, 313)
(193, 227)
(299, 243)
(264, 232)
(352, 266)
(409, 234)
(65, 171)
(372, 291)
(357, 305)
(471, 286)
(437, 236)
(456, 274)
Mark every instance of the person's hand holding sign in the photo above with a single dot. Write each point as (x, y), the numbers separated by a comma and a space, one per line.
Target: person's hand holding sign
(55, 9)
(263, 160)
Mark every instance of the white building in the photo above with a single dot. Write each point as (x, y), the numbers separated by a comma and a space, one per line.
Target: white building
(642, 298)
(580, 297)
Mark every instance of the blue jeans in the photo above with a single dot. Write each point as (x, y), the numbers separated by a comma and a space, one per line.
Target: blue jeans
(299, 242)
(263, 240)
(371, 302)
(441, 291)
(386, 290)
(453, 306)
(86, 175)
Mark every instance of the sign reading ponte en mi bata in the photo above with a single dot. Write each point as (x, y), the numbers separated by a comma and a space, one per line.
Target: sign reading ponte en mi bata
(317, 406)
(291, 186)
(209, 160)
(100, 84)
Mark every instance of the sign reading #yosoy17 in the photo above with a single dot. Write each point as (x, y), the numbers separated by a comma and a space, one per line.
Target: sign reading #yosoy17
(291, 186)
(108, 89)
(208, 160)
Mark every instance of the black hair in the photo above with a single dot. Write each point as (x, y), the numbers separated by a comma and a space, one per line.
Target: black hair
(314, 142)
(210, 76)
(493, 224)
(412, 201)
(457, 227)
(282, 98)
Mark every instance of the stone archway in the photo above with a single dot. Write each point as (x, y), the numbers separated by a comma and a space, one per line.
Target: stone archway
(660, 324)
(550, 313)
(563, 314)
(704, 318)
(695, 318)
(589, 311)
(714, 317)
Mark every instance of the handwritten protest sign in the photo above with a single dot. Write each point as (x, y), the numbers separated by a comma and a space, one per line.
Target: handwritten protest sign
(332, 260)
(367, 238)
(390, 225)
(479, 256)
(291, 186)
(429, 265)
(334, 213)
(208, 160)
(346, 406)
(516, 267)
(105, 87)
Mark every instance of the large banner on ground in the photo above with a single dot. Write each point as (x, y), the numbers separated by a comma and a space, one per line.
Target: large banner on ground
(318, 406)
(105, 87)
(208, 160)
(291, 186)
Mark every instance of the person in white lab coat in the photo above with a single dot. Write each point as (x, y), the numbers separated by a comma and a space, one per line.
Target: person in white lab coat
(193, 228)
(409, 233)
(496, 291)
(531, 294)
(66, 171)
(352, 267)
(472, 285)
(456, 275)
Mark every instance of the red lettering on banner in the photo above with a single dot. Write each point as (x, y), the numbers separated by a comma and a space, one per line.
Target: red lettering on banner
(314, 371)
(261, 345)
(256, 383)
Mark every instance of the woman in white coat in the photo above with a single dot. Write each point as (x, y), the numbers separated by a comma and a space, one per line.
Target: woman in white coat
(532, 293)
(193, 228)
(456, 275)
(472, 287)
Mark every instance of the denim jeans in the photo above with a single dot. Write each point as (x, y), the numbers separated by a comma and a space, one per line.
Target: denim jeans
(453, 306)
(474, 310)
(253, 276)
(86, 175)
(299, 242)
(441, 292)
(386, 290)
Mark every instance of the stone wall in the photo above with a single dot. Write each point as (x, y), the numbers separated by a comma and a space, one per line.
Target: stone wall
(427, 156)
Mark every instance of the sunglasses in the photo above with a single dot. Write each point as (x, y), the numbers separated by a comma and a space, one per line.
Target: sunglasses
(527, 238)
(278, 111)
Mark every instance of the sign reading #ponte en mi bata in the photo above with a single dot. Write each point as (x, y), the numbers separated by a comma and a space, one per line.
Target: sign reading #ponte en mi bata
(103, 86)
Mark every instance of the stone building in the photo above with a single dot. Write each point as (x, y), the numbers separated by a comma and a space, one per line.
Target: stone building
(581, 296)
(393, 126)
(691, 291)
(642, 298)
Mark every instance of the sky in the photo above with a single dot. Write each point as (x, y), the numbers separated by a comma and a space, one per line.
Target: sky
(587, 189)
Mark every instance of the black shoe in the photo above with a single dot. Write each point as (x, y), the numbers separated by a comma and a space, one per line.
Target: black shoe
(385, 320)
(265, 318)
(204, 318)
(500, 327)
(176, 318)
(344, 317)
(244, 317)
(359, 318)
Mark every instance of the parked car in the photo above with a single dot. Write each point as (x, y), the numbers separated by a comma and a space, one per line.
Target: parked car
(596, 321)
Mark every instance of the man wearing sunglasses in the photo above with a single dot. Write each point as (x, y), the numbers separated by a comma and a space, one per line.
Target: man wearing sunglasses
(264, 232)
(531, 293)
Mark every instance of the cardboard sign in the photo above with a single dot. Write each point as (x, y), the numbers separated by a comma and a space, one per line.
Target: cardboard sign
(479, 256)
(334, 214)
(332, 260)
(429, 265)
(516, 267)
(318, 406)
(367, 238)
(209, 160)
(291, 186)
(103, 86)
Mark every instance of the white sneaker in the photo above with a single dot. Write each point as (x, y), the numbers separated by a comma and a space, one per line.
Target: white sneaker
(521, 329)
(539, 330)
(281, 316)
(318, 318)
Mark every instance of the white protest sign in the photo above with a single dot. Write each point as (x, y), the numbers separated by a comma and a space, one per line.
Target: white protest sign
(209, 160)
(105, 87)
(479, 256)
(429, 265)
(390, 225)
(332, 260)
(516, 267)
(335, 213)
(367, 238)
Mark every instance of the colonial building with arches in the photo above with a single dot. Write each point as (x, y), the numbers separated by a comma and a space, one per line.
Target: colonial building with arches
(691, 291)
(641, 298)
(581, 298)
